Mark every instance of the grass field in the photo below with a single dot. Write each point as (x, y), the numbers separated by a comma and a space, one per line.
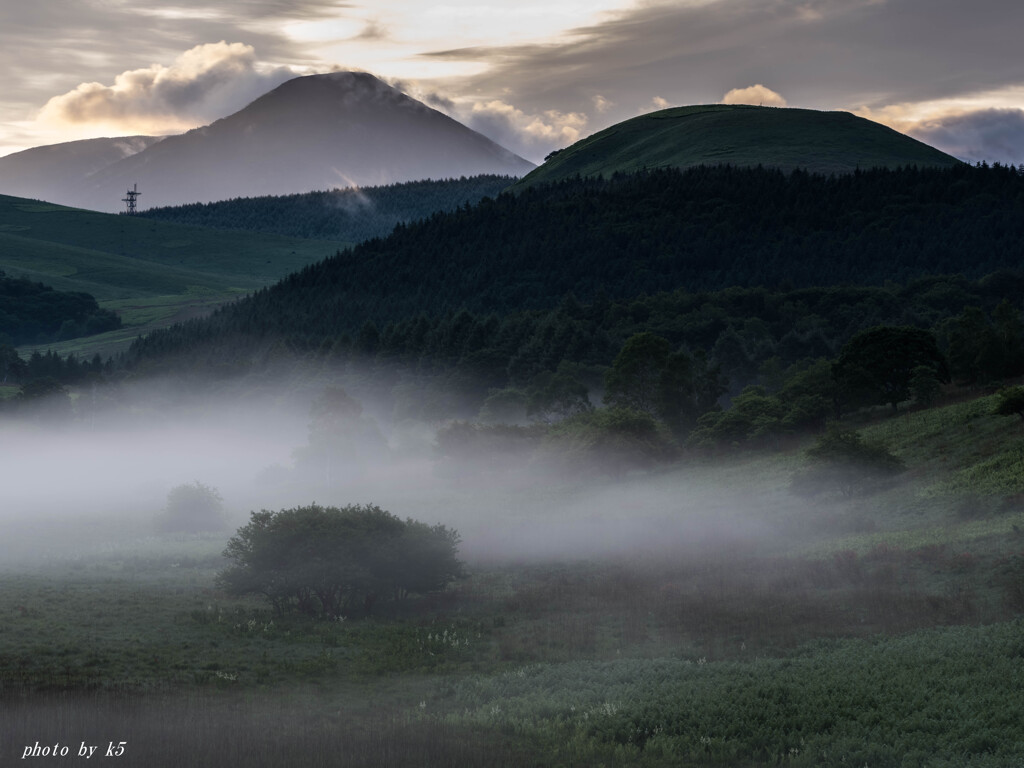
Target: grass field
(879, 630)
(152, 273)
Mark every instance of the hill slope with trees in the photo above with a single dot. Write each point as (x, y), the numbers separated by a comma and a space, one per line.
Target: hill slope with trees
(704, 229)
(348, 215)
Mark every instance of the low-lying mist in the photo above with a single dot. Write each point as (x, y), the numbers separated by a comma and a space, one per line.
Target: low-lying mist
(76, 488)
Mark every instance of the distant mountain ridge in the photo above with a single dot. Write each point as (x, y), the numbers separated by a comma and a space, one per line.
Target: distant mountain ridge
(54, 170)
(311, 133)
(739, 135)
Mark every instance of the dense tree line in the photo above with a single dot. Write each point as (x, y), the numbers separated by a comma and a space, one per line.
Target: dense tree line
(348, 215)
(34, 313)
(43, 382)
(542, 363)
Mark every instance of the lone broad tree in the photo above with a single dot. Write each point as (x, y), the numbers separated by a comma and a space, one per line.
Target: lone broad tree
(879, 364)
(330, 561)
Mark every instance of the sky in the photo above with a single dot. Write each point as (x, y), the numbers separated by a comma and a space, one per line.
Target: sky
(533, 75)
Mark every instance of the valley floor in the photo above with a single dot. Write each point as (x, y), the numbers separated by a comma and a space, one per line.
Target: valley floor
(880, 630)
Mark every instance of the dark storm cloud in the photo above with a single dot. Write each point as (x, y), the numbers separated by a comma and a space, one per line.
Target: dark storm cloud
(985, 135)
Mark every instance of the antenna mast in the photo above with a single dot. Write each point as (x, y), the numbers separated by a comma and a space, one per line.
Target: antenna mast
(130, 199)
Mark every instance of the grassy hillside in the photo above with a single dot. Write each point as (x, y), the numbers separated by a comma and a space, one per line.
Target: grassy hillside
(718, 134)
(149, 271)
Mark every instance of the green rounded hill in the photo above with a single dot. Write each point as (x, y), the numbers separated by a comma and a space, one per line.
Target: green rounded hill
(720, 134)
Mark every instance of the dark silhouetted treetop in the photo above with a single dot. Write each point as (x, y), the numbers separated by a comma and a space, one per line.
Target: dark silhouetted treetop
(12, 367)
(878, 365)
(634, 379)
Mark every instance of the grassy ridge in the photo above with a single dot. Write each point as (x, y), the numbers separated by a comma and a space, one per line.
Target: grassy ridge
(823, 142)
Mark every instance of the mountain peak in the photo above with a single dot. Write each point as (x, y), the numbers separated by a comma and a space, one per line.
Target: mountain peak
(348, 88)
(314, 132)
(339, 98)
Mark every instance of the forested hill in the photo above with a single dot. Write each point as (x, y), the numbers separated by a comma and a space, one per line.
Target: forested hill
(700, 229)
(349, 215)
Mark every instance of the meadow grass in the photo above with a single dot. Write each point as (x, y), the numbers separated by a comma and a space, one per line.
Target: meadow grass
(882, 629)
(715, 661)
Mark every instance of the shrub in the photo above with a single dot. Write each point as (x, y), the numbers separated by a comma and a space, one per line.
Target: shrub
(841, 461)
(330, 561)
(1010, 402)
(192, 508)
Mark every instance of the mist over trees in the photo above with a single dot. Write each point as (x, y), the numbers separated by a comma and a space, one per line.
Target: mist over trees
(842, 461)
(547, 365)
(192, 508)
(559, 303)
(342, 440)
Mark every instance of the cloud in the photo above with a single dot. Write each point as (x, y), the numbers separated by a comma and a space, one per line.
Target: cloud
(431, 98)
(204, 83)
(660, 103)
(529, 135)
(601, 104)
(822, 54)
(373, 31)
(985, 126)
(755, 94)
(986, 135)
